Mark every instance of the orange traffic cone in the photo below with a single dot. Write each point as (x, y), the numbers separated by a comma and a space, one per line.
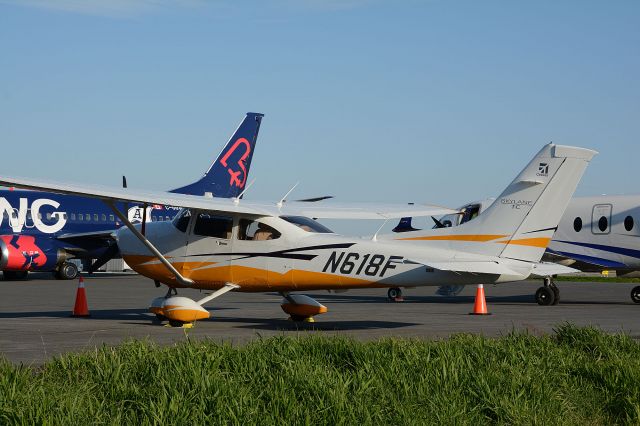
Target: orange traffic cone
(480, 307)
(81, 309)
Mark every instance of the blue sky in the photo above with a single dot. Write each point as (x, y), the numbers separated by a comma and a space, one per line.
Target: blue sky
(367, 100)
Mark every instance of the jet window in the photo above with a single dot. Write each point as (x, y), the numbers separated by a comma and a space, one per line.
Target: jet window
(48, 216)
(87, 217)
(104, 217)
(95, 217)
(603, 224)
(80, 217)
(577, 224)
(628, 223)
(112, 218)
(29, 215)
(209, 225)
(307, 224)
(251, 230)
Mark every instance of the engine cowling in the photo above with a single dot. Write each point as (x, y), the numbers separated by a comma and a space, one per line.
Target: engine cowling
(29, 253)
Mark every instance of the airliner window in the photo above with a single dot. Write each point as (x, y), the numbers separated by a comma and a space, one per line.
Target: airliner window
(307, 224)
(577, 224)
(628, 223)
(251, 230)
(182, 220)
(603, 224)
(209, 225)
(112, 218)
(104, 217)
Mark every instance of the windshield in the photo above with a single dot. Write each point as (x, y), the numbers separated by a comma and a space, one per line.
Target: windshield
(181, 221)
(307, 224)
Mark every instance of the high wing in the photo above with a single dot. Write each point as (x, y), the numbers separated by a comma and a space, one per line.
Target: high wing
(337, 211)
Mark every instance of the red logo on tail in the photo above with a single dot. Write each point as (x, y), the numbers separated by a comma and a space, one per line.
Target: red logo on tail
(242, 173)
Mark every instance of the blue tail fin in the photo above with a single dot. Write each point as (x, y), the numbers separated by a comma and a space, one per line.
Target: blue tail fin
(227, 176)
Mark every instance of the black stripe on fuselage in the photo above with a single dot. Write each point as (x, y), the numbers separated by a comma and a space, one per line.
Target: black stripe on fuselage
(282, 254)
(554, 229)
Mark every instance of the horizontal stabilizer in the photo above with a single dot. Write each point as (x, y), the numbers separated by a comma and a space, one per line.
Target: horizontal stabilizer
(474, 267)
(545, 269)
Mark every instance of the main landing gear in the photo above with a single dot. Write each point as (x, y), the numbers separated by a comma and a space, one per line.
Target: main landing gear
(548, 294)
(394, 294)
(635, 294)
(301, 308)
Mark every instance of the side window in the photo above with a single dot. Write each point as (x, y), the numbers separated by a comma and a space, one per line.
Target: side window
(80, 217)
(209, 225)
(181, 222)
(112, 218)
(251, 230)
(87, 217)
(577, 224)
(104, 217)
(95, 217)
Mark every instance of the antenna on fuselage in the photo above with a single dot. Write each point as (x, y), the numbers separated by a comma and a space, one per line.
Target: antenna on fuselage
(283, 199)
(375, 236)
(236, 200)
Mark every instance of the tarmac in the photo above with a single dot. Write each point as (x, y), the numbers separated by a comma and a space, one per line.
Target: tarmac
(35, 322)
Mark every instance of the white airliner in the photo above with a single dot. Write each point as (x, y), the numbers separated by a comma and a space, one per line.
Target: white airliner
(595, 233)
(223, 245)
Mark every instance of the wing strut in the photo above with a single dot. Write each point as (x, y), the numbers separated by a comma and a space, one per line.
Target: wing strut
(182, 280)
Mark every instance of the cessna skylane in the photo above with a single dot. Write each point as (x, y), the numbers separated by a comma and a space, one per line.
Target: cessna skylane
(233, 244)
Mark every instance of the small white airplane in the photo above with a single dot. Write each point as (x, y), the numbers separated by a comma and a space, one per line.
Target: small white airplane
(595, 234)
(223, 245)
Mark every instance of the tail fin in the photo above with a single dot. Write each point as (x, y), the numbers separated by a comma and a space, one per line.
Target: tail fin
(521, 221)
(227, 176)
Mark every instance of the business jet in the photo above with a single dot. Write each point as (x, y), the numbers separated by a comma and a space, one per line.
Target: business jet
(42, 231)
(595, 234)
(232, 244)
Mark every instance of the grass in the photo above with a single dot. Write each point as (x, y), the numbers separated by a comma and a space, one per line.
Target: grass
(575, 376)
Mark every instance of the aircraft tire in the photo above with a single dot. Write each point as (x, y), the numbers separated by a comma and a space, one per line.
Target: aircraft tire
(393, 293)
(635, 294)
(161, 317)
(15, 275)
(545, 296)
(175, 323)
(67, 271)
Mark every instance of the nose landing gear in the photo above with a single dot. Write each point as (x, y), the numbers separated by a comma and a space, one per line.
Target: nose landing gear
(548, 294)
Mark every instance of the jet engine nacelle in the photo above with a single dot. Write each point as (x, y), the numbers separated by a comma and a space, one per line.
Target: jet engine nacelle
(28, 253)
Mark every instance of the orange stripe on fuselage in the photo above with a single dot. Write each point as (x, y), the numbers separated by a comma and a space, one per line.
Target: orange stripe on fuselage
(462, 237)
(531, 242)
(248, 278)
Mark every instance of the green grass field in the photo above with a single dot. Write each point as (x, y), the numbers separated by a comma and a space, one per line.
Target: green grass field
(576, 376)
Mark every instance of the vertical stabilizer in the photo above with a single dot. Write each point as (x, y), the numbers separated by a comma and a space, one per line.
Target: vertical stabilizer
(227, 176)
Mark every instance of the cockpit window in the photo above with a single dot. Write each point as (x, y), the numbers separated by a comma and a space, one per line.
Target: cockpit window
(208, 225)
(307, 224)
(181, 221)
(251, 230)
(470, 213)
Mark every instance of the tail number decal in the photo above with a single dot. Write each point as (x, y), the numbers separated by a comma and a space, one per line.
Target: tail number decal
(353, 263)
